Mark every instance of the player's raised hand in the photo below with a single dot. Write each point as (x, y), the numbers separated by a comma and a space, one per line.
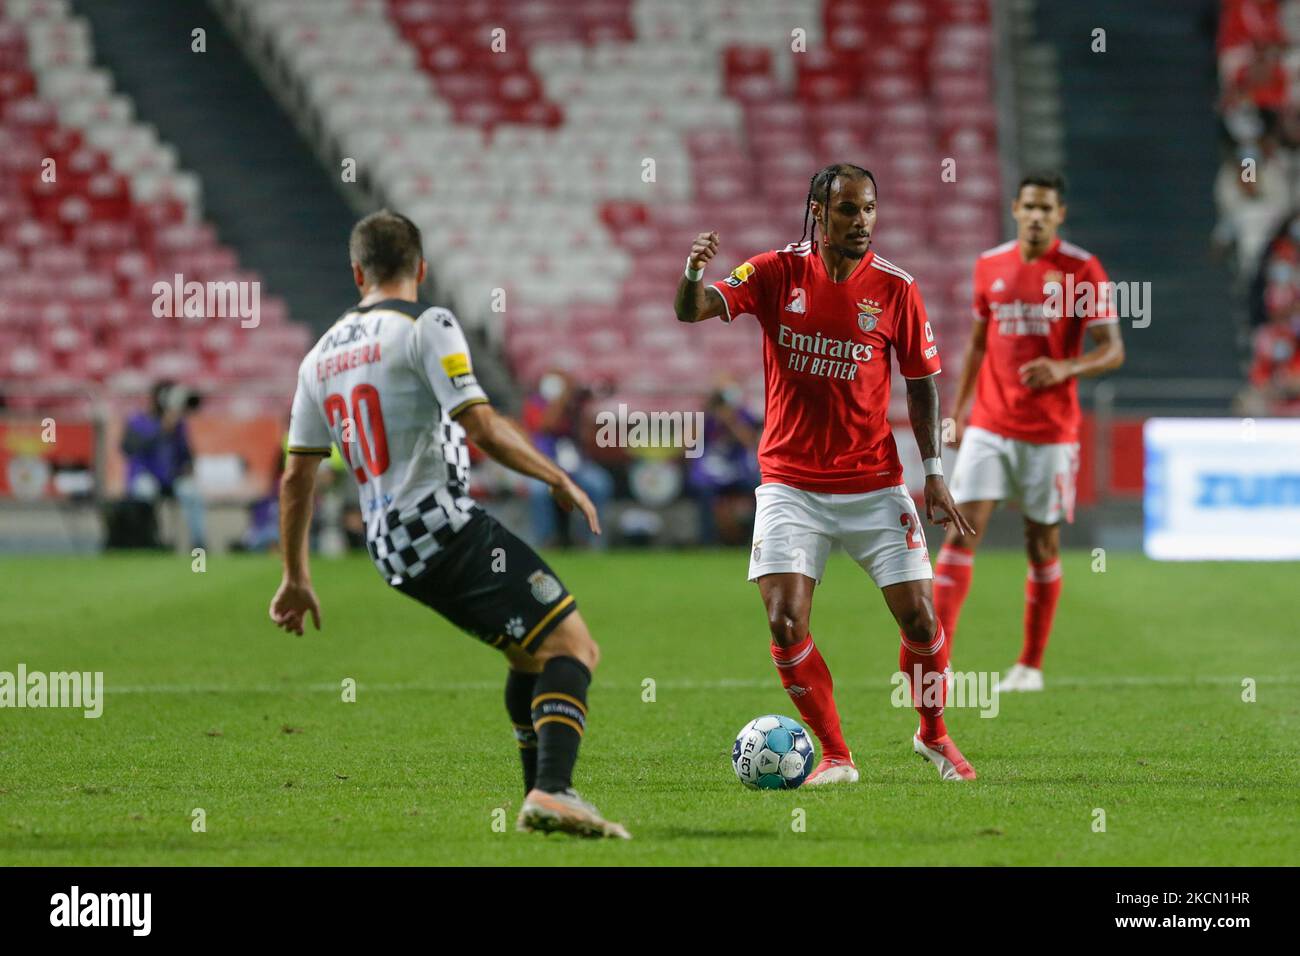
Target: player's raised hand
(291, 603)
(704, 248)
(939, 498)
(568, 496)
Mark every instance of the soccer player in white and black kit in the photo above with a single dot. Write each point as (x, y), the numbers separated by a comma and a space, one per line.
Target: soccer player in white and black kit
(392, 384)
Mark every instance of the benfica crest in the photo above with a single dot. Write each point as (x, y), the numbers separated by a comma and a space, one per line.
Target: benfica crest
(868, 311)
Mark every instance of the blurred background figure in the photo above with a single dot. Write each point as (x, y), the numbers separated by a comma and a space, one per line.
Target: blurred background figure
(263, 531)
(1253, 195)
(1275, 372)
(552, 418)
(159, 461)
(336, 520)
(722, 480)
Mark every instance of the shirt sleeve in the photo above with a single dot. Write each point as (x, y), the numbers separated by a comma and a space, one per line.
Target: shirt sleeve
(918, 353)
(1102, 308)
(442, 354)
(309, 433)
(748, 285)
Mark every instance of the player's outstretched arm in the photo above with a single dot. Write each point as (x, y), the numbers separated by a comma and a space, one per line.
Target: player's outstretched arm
(970, 370)
(695, 301)
(504, 441)
(295, 598)
(923, 410)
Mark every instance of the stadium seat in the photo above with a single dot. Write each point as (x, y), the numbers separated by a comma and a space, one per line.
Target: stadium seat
(551, 136)
(80, 248)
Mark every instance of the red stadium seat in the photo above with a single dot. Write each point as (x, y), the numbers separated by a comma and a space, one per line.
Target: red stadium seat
(736, 122)
(77, 254)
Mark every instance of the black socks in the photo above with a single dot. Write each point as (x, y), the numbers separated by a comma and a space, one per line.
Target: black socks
(519, 704)
(559, 715)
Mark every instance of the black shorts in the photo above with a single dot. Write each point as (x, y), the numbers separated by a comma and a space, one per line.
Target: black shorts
(491, 584)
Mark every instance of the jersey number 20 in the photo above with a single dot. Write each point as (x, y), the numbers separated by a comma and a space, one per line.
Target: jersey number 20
(367, 421)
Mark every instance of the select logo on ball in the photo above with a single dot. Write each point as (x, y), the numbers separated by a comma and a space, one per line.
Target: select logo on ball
(772, 753)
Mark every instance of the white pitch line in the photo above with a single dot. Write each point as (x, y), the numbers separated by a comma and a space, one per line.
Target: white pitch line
(724, 684)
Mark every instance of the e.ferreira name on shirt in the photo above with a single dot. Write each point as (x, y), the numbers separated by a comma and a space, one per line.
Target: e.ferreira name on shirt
(352, 358)
(353, 332)
(840, 355)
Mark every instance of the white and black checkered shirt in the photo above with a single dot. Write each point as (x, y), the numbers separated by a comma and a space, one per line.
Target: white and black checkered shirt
(405, 541)
(384, 384)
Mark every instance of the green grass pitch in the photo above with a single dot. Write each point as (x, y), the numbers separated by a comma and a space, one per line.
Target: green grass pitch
(208, 706)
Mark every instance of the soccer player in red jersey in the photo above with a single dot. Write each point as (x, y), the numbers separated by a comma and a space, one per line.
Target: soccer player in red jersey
(832, 314)
(1035, 297)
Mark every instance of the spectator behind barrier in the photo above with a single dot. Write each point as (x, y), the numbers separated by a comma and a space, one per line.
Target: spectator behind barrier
(160, 464)
(722, 480)
(551, 418)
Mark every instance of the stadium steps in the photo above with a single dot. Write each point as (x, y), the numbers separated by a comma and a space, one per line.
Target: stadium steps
(262, 185)
(1039, 133)
(1141, 156)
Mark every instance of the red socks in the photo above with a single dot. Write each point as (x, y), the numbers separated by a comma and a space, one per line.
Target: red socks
(1042, 590)
(930, 662)
(807, 680)
(952, 574)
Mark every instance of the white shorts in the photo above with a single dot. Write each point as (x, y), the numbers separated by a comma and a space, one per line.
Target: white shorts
(794, 531)
(1039, 478)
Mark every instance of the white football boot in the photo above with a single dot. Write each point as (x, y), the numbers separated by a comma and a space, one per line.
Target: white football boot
(1021, 677)
(566, 812)
(832, 770)
(943, 753)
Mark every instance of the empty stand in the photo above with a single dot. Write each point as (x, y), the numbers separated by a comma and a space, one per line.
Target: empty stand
(94, 210)
(565, 154)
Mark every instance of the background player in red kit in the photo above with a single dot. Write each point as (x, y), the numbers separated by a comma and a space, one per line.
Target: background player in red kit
(1034, 299)
(832, 314)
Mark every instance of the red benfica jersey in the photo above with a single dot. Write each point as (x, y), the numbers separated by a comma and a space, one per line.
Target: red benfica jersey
(1034, 309)
(826, 364)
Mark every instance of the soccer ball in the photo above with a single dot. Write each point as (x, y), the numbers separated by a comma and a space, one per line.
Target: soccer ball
(772, 753)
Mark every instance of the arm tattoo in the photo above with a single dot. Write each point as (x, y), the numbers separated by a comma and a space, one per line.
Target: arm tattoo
(696, 301)
(923, 410)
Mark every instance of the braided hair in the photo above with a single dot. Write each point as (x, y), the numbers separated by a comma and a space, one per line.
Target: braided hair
(819, 187)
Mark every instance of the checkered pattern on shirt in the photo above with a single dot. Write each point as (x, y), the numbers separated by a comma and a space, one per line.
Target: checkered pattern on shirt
(404, 541)
(456, 454)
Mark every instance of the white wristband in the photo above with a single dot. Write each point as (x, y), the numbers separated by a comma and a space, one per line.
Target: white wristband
(695, 275)
(933, 466)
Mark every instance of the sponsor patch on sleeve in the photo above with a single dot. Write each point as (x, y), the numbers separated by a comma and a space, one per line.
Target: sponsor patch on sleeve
(456, 364)
(739, 275)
